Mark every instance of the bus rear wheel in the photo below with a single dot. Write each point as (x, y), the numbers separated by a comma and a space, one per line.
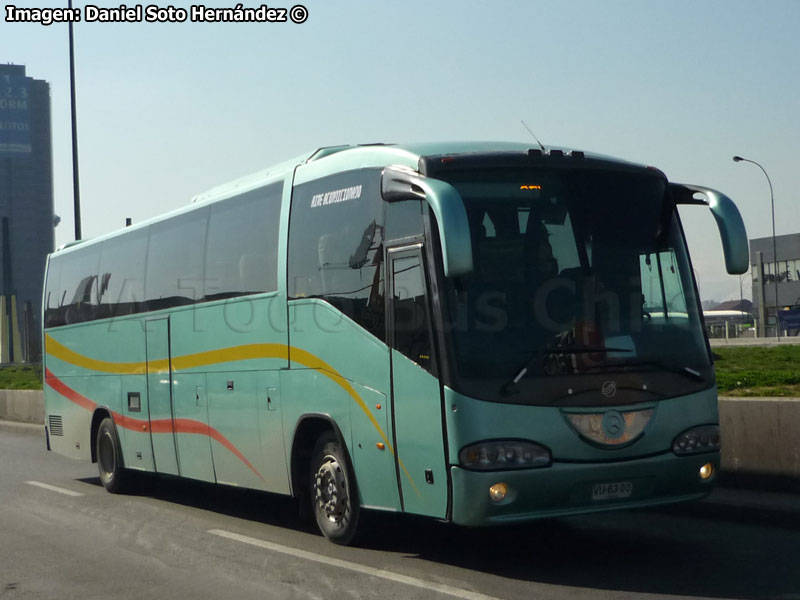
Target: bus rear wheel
(334, 499)
(109, 458)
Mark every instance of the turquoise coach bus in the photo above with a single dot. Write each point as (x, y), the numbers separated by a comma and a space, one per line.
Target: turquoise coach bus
(483, 333)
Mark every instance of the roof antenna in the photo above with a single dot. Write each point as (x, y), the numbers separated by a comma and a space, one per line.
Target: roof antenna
(541, 145)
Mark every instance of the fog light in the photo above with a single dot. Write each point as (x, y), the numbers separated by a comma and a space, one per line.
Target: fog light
(706, 471)
(498, 492)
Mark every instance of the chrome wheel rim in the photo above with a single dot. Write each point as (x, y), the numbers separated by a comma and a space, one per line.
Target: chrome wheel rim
(106, 457)
(330, 489)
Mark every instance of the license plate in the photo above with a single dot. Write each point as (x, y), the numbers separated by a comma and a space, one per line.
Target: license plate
(612, 491)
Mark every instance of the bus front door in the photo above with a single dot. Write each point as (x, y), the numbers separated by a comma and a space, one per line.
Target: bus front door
(416, 397)
(159, 393)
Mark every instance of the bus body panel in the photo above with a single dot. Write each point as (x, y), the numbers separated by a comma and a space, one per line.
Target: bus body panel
(374, 467)
(233, 409)
(354, 159)
(238, 344)
(72, 438)
(351, 375)
(311, 393)
(159, 394)
(647, 464)
(73, 391)
(470, 421)
(324, 337)
(244, 350)
(190, 399)
(274, 463)
(237, 334)
(567, 488)
(420, 443)
(137, 447)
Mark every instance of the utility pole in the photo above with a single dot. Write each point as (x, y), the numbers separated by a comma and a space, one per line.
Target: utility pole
(76, 192)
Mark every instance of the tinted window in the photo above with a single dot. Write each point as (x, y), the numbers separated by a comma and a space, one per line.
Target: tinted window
(410, 311)
(121, 278)
(242, 247)
(175, 260)
(336, 245)
(403, 219)
(72, 287)
(52, 295)
(572, 258)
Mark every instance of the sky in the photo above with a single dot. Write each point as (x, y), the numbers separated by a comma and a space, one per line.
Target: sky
(169, 110)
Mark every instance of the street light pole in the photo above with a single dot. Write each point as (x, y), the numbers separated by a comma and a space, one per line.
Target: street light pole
(774, 246)
(76, 193)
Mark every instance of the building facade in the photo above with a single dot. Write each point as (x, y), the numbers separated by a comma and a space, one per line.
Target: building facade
(26, 210)
(766, 272)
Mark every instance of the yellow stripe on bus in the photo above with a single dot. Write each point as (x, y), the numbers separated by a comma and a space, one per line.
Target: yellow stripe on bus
(222, 355)
(232, 354)
(61, 352)
(314, 362)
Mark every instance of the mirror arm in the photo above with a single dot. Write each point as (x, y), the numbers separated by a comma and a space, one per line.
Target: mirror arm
(729, 222)
(398, 183)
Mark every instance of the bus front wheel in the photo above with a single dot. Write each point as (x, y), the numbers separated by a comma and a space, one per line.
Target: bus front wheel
(334, 499)
(109, 458)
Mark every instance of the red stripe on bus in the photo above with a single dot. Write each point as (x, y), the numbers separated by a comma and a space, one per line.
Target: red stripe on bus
(188, 426)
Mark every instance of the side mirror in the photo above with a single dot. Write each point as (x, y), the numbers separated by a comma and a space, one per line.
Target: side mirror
(729, 222)
(398, 183)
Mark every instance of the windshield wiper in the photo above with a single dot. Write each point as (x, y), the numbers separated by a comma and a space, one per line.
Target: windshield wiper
(508, 386)
(681, 370)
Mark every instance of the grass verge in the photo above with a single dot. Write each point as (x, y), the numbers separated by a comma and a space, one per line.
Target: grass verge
(20, 378)
(758, 371)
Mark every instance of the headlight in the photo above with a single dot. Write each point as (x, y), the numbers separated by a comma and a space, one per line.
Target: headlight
(698, 439)
(504, 454)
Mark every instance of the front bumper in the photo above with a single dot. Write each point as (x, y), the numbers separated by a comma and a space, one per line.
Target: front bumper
(566, 488)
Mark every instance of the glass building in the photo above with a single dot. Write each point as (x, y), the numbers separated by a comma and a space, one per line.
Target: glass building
(26, 210)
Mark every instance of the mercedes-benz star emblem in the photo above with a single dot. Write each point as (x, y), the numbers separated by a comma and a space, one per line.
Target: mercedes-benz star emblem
(613, 424)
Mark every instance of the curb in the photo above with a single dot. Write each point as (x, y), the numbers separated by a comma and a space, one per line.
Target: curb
(20, 427)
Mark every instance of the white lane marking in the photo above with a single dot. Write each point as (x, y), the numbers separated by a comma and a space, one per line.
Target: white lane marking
(53, 488)
(351, 566)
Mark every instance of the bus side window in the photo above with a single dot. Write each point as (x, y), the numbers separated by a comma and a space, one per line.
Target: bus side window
(410, 311)
(403, 219)
(240, 249)
(122, 263)
(78, 289)
(53, 316)
(174, 274)
(336, 239)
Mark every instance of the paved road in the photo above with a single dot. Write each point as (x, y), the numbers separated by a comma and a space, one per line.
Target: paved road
(187, 540)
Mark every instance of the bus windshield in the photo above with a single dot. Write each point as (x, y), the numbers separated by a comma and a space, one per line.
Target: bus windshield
(580, 277)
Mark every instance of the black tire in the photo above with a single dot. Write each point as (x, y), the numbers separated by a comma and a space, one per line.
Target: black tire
(113, 475)
(334, 496)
